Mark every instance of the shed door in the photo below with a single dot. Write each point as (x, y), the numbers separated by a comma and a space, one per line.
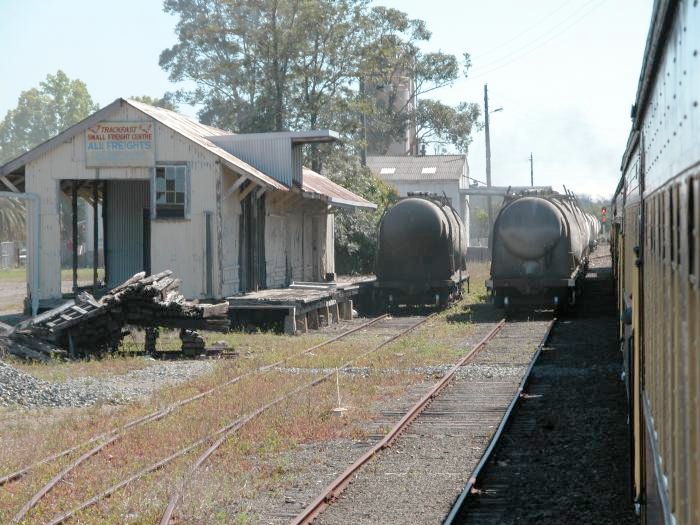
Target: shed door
(252, 244)
(316, 255)
(125, 232)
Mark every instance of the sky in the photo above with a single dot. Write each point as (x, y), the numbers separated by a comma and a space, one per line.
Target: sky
(565, 72)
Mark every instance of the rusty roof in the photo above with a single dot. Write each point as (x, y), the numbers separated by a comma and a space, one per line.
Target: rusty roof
(316, 186)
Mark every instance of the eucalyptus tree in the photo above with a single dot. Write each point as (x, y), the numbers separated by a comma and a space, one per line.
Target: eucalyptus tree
(43, 112)
(273, 65)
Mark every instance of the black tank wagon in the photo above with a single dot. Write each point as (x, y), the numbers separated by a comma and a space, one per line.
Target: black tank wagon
(421, 253)
(540, 245)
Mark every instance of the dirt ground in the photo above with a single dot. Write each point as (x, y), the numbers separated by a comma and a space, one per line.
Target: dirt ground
(261, 457)
(12, 297)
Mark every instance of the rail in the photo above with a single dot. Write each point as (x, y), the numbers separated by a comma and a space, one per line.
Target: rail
(115, 434)
(333, 490)
(224, 432)
(476, 475)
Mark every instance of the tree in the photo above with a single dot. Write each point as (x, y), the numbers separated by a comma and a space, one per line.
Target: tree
(166, 101)
(43, 112)
(11, 220)
(264, 65)
(273, 65)
(397, 77)
(356, 233)
(439, 124)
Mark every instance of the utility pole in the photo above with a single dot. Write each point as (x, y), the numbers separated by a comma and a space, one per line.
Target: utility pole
(488, 160)
(363, 152)
(532, 173)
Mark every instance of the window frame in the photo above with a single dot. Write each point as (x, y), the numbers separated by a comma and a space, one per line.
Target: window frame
(187, 191)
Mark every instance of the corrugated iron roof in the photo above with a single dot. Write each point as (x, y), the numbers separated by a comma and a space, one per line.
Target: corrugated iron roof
(185, 126)
(198, 133)
(426, 167)
(316, 185)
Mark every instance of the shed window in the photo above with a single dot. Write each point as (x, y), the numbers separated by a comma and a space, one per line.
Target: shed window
(171, 192)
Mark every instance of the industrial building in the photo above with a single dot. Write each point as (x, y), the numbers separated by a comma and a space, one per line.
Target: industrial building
(226, 213)
(446, 175)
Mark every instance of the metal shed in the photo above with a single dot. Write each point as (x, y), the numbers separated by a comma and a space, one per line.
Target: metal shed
(442, 174)
(174, 193)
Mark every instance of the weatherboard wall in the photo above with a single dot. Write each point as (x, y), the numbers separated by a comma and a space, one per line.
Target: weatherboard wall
(299, 232)
(176, 244)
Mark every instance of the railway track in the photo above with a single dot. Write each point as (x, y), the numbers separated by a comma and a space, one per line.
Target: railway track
(415, 472)
(562, 457)
(383, 328)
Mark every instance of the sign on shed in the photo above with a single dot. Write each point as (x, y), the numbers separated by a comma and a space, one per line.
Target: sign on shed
(120, 144)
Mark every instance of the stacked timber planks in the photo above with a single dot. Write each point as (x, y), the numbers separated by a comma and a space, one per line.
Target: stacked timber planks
(88, 326)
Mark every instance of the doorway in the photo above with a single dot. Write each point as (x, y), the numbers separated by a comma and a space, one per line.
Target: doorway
(253, 270)
(126, 217)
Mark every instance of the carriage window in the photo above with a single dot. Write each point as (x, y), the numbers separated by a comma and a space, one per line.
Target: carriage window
(649, 214)
(657, 225)
(663, 225)
(171, 191)
(677, 224)
(691, 226)
(671, 216)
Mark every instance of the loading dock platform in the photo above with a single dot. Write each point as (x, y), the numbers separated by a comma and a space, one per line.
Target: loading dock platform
(305, 305)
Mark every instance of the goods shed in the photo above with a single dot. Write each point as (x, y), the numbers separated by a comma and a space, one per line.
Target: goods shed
(226, 213)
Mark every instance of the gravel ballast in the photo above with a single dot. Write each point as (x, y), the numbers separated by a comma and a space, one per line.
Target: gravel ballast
(417, 479)
(565, 455)
(19, 389)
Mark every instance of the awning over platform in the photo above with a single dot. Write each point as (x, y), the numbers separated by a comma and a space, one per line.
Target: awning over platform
(316, 186)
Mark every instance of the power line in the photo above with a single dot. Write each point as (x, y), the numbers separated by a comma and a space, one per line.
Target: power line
(505, 43)
(517, 55)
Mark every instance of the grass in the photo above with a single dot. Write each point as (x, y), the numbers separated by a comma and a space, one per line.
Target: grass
(19, 275)
(13, 275)
(255, 462)
(64, 370)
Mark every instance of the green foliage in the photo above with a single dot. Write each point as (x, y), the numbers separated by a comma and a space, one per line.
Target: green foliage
(43, 112)
(267, 65)
(356, 231)
(593, 205)
(439, 124)
(271, 65)
(394, 56)
(11, 220)
(167, 101)
(479, 223)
